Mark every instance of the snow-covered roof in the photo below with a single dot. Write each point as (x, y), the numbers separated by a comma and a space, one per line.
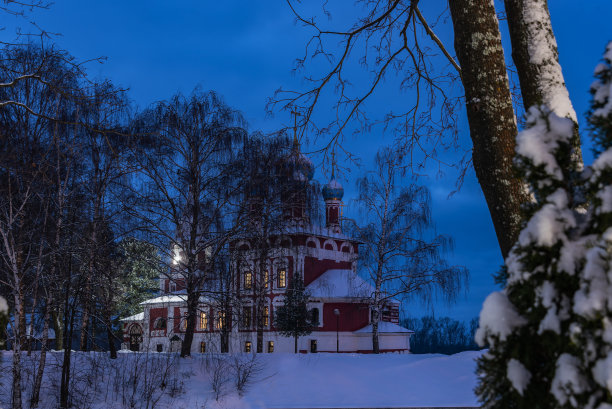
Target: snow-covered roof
(171, 298)
(384, 327)
(339, 283)
(135, 317)
(165, 299)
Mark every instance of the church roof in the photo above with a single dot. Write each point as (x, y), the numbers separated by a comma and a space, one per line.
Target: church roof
(135, 317)
(384, 327)
(341, 284)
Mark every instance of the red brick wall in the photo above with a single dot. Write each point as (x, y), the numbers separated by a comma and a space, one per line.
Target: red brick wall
(155, 313)
(353, 316)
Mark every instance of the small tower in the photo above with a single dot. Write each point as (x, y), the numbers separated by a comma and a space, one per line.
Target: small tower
(332, 194)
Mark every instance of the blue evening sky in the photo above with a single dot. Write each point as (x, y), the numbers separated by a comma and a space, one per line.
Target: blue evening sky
(245, 50)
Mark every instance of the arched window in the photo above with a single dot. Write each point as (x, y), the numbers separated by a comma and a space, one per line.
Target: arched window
(248, 280)
(314, 317)
(203, 321)
(282, 279)
(159, 323)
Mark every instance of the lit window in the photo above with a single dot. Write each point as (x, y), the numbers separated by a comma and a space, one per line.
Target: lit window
(270, 347)
(247, 346)
(266, 316)
(246, 317)
(248, 280)
(203, 321)
(282, 279)
(202, 347)
(184, 323)
(266, 278)
(220, 324)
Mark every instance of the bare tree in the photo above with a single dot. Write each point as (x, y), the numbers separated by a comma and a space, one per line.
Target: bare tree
(188, 188)
(394, 37)
(397, 257)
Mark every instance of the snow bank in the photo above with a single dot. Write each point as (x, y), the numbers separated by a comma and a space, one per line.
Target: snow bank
(281, 381)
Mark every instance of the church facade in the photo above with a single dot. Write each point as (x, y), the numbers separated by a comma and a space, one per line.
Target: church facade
(323, 256)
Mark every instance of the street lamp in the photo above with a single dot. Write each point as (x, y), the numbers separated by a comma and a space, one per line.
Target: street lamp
(337, 314)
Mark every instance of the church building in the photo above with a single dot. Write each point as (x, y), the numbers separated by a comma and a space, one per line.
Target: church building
(323, 256)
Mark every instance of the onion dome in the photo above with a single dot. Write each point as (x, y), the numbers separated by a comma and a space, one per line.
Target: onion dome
(299, 167)
(333, 190)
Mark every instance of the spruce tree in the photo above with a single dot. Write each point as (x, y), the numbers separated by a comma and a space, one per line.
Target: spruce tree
(293, 319)
(525, 324)
(550, 329)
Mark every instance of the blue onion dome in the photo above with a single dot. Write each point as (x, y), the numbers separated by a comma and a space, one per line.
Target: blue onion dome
(333, 190)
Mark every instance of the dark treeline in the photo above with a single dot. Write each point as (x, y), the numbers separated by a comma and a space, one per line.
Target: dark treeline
(98, 200)
(442, 335)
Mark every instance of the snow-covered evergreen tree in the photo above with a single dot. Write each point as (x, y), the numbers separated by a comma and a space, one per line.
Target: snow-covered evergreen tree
(591, 329)
(550, 330)
(292, 318)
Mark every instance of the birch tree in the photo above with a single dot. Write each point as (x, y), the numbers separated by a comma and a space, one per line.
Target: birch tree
(398, 258)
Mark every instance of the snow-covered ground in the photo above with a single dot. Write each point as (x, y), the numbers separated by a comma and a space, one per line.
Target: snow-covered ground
(278, 381)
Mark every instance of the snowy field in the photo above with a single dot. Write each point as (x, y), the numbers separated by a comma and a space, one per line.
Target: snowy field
(245, 381)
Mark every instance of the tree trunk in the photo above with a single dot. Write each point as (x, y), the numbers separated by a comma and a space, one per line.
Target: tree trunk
(58, 328)
(192, 309)
(490, 114)
(259, 322)
(535, 54)
(110, 336)
(43, 357)
(18, 343)
(85, 318)
(375, 344)
(16, 390)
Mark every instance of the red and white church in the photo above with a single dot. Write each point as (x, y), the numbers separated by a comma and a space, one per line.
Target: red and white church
(324, 257)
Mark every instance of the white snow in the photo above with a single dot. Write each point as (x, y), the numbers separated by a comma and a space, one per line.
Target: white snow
(176, 298)
(603, 90)
(498, 318)
(593, 294)
(518, 375)
(384, 327)
(567, 381)
(334, 184)
(603, 161)
(283, 381)
(548, 224)
(3, 306)
(602, 372)
(605, 195)
(540, 139)
(547, 294)
(542, 49)
(339, 283)
(135, 317)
